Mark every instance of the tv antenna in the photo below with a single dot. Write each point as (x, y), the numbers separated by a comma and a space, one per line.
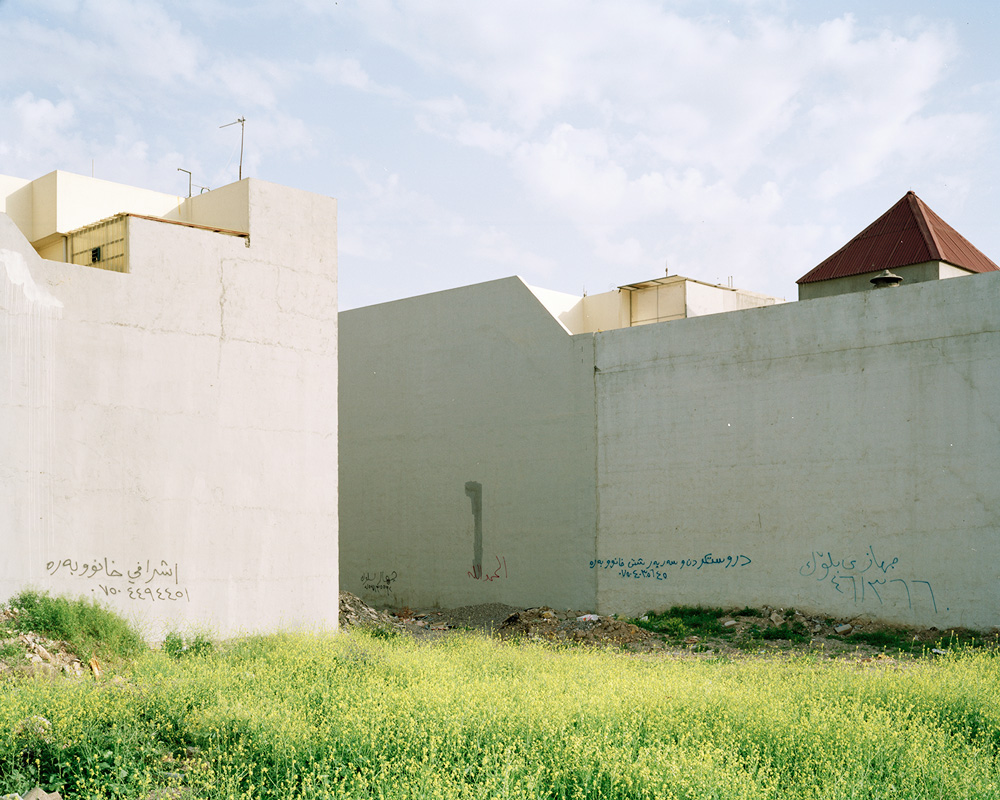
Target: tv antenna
(190, 184)
(242, 123)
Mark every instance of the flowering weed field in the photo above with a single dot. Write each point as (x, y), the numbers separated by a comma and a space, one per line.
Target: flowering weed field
(353, 715)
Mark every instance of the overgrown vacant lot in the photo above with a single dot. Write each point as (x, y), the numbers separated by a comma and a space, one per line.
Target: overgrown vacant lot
(359, 715)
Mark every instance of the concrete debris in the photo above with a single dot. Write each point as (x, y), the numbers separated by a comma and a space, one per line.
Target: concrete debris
(843, 630)
(544, 623)
(33, 794)
(40, 655)
(354, 613)
(40, 794)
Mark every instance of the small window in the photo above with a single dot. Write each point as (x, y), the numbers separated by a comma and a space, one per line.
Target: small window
(103, 245)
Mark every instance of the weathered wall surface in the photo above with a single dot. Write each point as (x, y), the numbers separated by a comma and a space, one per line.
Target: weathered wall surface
(169, 435)
(912, 273)
(467, 452)
(838, 455)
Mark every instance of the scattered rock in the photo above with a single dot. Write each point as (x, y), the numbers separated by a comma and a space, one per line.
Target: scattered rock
(41, 794)
(354, 613)
(843, 630)
(542, 623)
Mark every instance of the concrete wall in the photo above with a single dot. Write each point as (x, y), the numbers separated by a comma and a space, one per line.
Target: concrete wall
(835, 455)
(471, 393)
(838, 455)
(169, 435)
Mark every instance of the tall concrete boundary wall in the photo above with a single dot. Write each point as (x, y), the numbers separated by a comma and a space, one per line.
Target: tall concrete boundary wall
(467, 445)
(837, 455)
(168, 436)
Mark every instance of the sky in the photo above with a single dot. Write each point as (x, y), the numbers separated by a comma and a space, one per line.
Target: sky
(581, 145)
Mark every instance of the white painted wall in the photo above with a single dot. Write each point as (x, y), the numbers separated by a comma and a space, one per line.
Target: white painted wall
(478, 385)
(177, 424)
(817, 448)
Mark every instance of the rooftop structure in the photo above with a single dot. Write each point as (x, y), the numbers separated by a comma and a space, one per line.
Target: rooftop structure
(909, 239)
(645, 302)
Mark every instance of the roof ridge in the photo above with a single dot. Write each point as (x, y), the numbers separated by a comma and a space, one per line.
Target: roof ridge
(918, 208)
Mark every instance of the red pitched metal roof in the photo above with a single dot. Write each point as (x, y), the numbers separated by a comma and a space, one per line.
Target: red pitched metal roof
(908, 233)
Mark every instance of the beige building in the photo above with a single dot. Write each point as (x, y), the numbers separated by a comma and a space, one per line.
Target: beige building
(168, 412)
(501, 443)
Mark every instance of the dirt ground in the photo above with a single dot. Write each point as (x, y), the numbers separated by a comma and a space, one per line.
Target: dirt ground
(741, 634)
(736, 635)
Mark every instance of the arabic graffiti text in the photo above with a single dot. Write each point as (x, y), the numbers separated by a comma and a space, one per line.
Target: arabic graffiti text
(148, 593)
(143, 580)
(868, 579)
(378, 582)
(656, 569)
(142, 572)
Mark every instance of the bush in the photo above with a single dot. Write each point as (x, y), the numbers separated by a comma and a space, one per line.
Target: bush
(86, 626)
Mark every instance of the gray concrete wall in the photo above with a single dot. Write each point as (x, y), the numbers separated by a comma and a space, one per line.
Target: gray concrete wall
(838, 455)
(169, 435)
(467, 434)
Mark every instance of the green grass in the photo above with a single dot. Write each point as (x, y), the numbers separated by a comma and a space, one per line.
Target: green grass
(791, 631)
(681, 621)
(89, 628)
(177, 645)
(300, 716)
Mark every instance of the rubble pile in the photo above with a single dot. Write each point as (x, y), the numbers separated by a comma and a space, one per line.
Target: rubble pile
(571, 626)
(354, 613)
(41, 655)
(34, 794)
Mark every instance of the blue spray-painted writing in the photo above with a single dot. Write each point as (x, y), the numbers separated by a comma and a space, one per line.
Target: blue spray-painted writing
(657, 569)
(863, 579)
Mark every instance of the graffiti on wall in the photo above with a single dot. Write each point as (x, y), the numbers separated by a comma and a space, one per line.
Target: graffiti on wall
(147, 581)
(477, 573)
(378, 582)
(867, 579)
(659, 570)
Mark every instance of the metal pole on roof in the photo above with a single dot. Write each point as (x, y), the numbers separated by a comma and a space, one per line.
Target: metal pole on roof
(242, 121)
(181, 169)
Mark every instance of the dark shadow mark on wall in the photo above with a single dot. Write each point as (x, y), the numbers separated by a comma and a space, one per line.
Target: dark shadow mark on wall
(474, 490)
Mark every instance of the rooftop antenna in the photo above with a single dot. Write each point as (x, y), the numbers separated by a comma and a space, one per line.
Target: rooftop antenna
(242, 121)
(181, 169)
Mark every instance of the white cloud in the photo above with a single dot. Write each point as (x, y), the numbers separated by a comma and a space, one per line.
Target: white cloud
(727, 135)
